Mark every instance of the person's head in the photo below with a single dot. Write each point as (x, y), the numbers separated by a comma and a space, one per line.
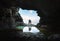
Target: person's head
(29, 21)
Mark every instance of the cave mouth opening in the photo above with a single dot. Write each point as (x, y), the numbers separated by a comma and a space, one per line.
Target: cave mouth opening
(26, 16)
(29, 15)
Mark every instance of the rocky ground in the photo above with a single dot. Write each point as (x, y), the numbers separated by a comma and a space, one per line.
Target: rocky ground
(32, 36)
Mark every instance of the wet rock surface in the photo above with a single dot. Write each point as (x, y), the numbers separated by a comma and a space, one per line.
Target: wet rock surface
(32, 37)
(54, 37)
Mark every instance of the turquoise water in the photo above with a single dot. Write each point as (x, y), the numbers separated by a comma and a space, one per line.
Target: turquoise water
(20, 27)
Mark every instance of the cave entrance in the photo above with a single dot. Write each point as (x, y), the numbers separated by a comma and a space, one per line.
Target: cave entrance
(26, 16)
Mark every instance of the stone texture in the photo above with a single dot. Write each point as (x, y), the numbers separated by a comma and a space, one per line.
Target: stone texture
(8, 18)
(54, 37)
(33, 37)
(48, 10)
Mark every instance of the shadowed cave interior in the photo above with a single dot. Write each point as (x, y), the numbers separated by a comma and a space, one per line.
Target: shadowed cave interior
(49, 23)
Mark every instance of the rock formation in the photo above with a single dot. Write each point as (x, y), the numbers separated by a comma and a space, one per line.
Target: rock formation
(48, 10)
(9, 17)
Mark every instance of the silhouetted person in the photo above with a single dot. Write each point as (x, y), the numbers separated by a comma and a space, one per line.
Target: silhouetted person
(29, 24)
(29, 21)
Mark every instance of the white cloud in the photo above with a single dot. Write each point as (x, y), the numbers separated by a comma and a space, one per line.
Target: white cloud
(29, 14)
(30, 11)
(34, 20)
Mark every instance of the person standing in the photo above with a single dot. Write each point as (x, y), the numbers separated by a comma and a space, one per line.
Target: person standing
(29, 25)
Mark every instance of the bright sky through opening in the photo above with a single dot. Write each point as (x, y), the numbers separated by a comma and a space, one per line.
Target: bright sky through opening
(29, 14)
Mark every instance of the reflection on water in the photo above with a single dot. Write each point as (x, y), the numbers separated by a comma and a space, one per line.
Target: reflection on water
(33, 29)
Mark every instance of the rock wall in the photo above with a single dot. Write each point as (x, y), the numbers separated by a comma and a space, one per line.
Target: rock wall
(8, 18)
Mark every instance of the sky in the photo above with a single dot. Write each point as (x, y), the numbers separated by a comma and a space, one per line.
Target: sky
(29, 14)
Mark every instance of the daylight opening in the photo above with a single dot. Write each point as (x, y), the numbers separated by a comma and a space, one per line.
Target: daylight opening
(34, 20)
